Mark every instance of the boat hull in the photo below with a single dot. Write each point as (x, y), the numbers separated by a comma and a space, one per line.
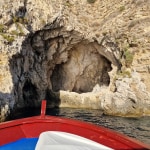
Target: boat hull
(32, 127)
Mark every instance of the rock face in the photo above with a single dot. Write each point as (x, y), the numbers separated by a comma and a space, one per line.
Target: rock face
(75, 54)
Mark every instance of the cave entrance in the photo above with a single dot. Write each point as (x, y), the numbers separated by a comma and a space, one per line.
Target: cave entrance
(30, 94)
(55, 59)
(84, 69)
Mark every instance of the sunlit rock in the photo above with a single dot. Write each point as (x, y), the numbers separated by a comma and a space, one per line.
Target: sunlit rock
(75, 54)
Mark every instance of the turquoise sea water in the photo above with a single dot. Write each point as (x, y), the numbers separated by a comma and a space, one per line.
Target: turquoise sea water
(138, 128)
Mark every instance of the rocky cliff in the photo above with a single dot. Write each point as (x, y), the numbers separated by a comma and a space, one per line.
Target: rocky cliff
(88, 54)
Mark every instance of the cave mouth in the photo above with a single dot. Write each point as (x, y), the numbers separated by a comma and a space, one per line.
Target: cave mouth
(54, 59)
(30, 94)
(84, 69)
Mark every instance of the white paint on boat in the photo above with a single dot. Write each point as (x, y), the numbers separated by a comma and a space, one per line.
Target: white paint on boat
(56, 140)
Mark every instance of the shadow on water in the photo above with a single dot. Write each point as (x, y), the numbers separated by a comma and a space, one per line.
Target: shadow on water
(32, 111)
(138, 128)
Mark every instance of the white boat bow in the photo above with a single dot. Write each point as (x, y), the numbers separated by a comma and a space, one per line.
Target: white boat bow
(56, 140)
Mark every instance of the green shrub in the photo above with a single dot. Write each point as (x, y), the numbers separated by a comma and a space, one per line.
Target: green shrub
(91, 1)
(122, 8)
(9, 38)
(124, 74)
(68, 4)
(2, 27)
(20, 20)
(14, 32)
(15, 19)
(128, 58)
(21, 33)
(43, 22)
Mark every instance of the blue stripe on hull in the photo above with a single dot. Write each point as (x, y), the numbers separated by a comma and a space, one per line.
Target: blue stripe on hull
(22, 144)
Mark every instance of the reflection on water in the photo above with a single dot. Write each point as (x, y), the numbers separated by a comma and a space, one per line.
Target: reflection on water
(138, 128)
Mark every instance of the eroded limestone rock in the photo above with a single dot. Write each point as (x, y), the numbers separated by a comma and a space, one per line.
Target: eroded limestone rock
(75, 54)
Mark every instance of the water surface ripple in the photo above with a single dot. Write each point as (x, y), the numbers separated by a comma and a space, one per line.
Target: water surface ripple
(138, 128)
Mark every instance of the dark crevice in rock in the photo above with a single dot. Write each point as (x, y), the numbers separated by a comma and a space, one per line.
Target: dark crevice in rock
(52, 98)
(30, 94)
(57, 78)
(105, 79)
(21, 12)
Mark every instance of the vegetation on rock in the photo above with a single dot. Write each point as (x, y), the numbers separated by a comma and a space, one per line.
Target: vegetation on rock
(124, 74)
(91, 1)
(2, 28)
(128, 58)
(8, 38)
(22, 20)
